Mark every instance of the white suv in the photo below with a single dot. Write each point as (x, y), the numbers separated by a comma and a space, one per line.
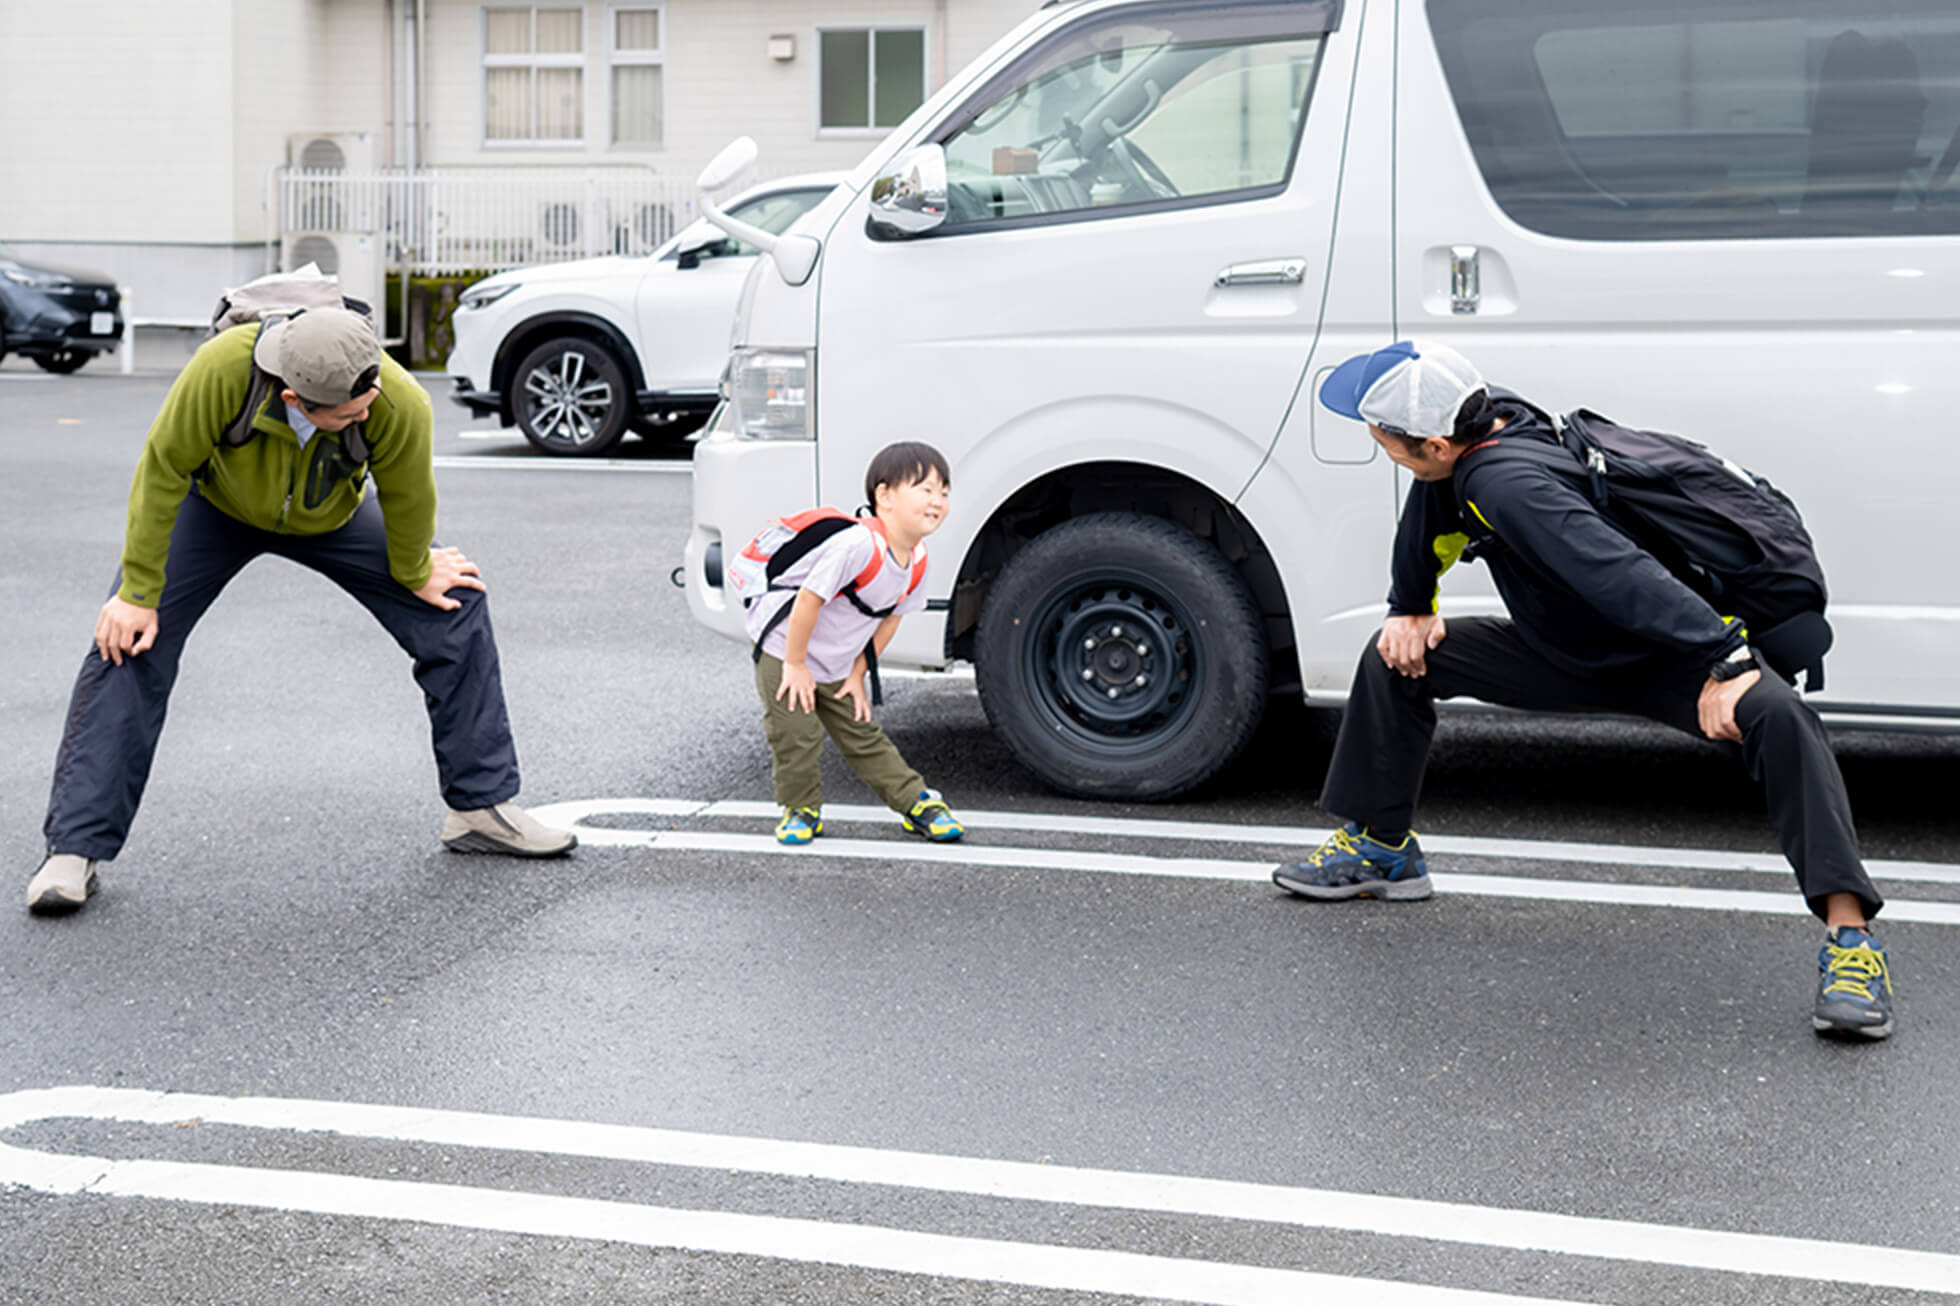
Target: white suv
(574, 354)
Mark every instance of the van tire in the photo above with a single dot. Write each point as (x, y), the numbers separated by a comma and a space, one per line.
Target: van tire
(571, 398)
(1122, 597)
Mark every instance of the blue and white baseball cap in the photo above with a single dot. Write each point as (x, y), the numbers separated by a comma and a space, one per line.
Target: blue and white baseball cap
(1404, 389)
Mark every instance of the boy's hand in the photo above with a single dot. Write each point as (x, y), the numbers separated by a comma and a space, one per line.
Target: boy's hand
(801, 687)
(853, 689)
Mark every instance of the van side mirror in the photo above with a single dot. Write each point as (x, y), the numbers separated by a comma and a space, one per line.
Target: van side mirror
(727, 165)
(909, 197)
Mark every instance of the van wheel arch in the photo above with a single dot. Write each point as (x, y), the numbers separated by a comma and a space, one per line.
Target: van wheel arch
(1148, 515)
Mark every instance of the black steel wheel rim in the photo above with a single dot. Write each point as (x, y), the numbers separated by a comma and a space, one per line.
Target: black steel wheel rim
(1114, 662)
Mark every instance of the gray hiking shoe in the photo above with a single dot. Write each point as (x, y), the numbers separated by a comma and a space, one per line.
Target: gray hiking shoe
(62, 885)
(504, 828)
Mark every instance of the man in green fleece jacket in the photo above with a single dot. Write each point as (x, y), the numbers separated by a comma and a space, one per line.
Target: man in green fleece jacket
(216, 487)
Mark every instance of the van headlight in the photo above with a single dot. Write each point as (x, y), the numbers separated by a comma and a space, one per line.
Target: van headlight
(768, 391)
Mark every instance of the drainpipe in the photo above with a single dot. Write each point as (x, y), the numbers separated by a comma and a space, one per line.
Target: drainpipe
(938, 44)
(388, 81)
(411, 82)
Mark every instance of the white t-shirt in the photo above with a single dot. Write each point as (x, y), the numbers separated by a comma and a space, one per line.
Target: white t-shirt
(841, 631)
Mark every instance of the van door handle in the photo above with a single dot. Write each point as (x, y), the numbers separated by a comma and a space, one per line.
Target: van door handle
(1466, 279)
(1267, 272)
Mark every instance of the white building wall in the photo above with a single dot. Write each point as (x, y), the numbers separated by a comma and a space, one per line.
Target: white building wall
(174, 112)
(141, 149)
(720, 81)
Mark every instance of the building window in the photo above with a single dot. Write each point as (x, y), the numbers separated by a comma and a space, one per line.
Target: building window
(533, 73)
(637, 76)
(869, 77)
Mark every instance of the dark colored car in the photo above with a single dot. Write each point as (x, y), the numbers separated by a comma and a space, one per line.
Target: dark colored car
(59, 317)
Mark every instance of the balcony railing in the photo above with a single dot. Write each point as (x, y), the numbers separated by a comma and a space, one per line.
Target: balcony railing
(447, 221)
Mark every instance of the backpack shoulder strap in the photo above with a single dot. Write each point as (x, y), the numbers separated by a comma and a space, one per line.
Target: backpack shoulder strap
(918, 568)
(239, 429)
(877, 563)
(1567, 460)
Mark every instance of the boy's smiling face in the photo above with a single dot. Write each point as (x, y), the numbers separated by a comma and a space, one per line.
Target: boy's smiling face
(915, 508)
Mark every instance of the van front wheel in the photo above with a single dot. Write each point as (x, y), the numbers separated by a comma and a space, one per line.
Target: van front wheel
(1120, 656)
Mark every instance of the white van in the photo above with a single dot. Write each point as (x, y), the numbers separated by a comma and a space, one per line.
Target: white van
(1105, 268)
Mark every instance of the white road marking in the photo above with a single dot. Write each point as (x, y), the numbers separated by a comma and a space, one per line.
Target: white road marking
(1469, 884)
(541, 463)
(888, 1249)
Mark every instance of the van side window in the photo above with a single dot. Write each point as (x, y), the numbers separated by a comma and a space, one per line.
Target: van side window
(1182, 105)
(1784, 119)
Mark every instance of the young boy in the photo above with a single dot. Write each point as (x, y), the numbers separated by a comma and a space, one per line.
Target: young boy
(811, 669)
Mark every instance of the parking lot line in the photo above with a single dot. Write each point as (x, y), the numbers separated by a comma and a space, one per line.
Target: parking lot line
(1035, 1265)
(1466, 883)
(528, 463)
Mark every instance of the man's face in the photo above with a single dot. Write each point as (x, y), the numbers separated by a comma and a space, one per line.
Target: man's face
(1432, 459)
(340, 416)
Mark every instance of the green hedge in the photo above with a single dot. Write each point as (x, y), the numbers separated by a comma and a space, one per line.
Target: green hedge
(431, 304)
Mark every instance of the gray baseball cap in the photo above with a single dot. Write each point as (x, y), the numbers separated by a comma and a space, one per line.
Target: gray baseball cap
(326, 356)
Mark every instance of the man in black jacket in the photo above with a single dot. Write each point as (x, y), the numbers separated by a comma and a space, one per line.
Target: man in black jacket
(1597, 624)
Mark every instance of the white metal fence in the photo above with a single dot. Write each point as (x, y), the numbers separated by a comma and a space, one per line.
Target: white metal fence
(457, 220)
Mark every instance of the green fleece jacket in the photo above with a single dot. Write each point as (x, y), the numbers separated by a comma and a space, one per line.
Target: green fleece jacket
(269, 481)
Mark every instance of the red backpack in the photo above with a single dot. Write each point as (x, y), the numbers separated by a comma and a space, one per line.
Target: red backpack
(757, 569)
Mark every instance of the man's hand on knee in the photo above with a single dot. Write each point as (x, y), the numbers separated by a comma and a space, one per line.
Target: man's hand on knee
(448, 570)
(124, 629)
(1717, 705)
(1405, 642)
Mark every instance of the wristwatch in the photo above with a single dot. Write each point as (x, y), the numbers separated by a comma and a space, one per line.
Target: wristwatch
(1733, 665)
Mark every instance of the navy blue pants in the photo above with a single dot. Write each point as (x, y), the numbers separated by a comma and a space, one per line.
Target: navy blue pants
(1381, 752)
(116, 713)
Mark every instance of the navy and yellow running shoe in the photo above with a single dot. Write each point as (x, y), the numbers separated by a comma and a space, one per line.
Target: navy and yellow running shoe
(799, 825)
(1854, 986)
(1355, 864)
(931, 818)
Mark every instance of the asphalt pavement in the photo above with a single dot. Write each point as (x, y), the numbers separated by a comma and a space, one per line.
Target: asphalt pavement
(296, 1052)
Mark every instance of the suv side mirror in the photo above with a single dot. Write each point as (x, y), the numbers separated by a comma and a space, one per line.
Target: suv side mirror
(707, 246)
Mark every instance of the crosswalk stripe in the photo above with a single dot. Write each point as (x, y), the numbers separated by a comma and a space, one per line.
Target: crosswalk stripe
(909, 1252)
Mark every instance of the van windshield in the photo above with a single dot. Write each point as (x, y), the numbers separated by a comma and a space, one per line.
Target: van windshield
(1141, 110)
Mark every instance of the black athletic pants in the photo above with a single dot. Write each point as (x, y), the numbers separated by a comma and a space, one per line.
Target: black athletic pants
(1383, 747)
(115, 714)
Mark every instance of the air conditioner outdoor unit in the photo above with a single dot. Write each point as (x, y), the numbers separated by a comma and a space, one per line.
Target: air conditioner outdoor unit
(644, 226)
(354, 257)
(561, 226)
(331, 151)
(318, 200)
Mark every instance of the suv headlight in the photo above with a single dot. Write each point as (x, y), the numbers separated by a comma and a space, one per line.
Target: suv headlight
(769, 391)
(481, 296)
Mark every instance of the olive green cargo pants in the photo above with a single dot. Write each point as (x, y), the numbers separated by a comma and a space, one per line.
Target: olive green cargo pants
(796, 745)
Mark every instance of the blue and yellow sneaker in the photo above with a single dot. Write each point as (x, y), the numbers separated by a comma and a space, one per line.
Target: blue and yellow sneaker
(799, 825)
(1854, 986)
(1355, 864)
(929, 817)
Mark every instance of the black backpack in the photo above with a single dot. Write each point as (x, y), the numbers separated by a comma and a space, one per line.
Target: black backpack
(1727, 533)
